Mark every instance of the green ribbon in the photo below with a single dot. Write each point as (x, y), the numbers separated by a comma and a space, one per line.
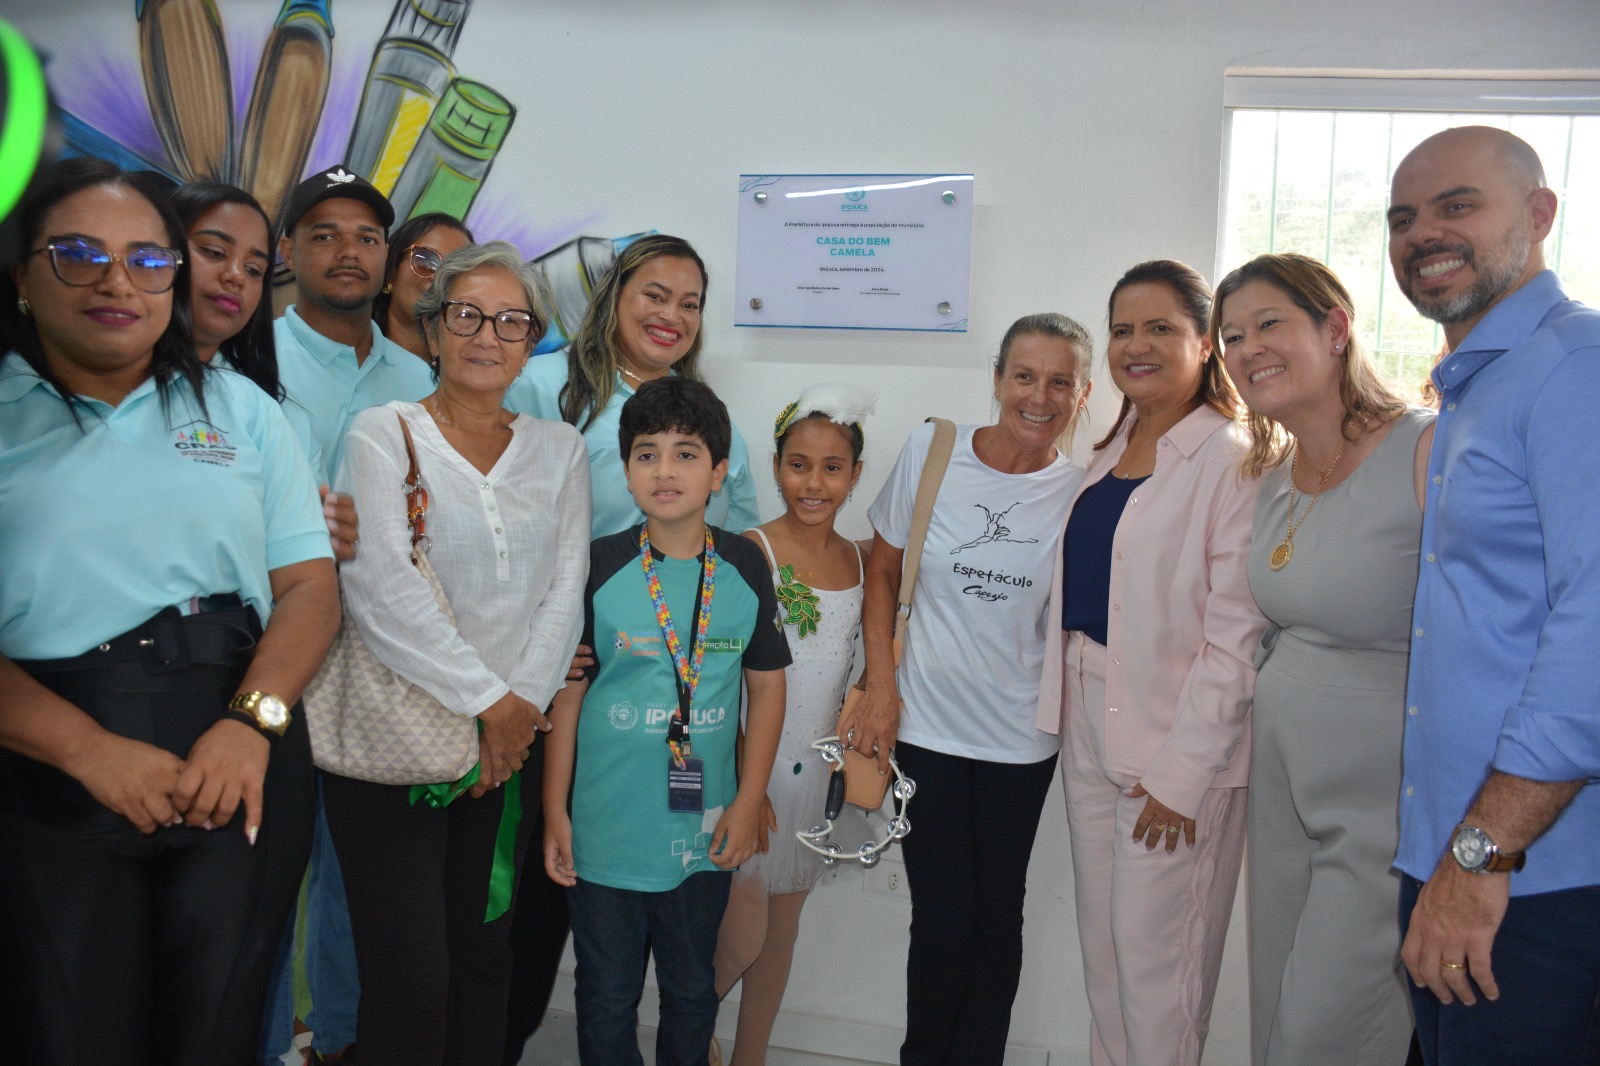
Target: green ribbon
(503, 872)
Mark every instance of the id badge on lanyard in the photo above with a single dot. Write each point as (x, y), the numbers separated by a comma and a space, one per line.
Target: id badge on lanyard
(685, 773)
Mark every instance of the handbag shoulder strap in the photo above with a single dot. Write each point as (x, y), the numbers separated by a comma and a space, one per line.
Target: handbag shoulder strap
(416, 495)
(933, 468)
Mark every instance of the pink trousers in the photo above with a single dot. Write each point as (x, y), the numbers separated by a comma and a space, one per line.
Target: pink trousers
(1151, 925)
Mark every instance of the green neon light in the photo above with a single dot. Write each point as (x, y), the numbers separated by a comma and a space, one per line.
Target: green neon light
(22, 125)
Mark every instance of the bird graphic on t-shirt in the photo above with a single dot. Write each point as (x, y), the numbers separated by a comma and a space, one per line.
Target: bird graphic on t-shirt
(995, 530)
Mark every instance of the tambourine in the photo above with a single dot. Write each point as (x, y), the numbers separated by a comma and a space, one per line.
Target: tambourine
(869, 852)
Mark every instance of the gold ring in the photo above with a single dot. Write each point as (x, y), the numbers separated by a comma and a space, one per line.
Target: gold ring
(1161, 828)
(1172, 829)
(1455, 966)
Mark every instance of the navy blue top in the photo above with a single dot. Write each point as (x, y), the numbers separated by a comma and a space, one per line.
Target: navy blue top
(1086, 580)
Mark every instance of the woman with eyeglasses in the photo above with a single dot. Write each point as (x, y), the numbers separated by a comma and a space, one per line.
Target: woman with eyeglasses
(507, 517)
(415, 248)
(168, 592)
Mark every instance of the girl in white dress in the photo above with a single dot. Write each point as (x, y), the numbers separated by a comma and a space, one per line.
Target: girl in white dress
(818, 575)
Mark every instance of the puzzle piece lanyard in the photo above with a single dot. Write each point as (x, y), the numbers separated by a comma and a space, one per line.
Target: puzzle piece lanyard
(687, 672)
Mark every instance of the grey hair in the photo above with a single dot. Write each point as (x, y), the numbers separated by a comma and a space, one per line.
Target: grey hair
(496, 255)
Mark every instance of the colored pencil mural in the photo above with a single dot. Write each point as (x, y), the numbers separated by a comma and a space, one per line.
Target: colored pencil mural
(286, 104)
(423, 133)
(411, 68)
(185, 60)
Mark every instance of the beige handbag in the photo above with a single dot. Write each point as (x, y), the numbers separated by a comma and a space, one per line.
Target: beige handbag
(864, 786)
(369, 723)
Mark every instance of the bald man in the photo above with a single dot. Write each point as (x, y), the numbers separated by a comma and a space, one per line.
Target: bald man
(1500, 802)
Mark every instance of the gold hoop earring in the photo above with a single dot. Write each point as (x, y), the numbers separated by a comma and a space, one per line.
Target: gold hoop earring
(24, 306)
(389, 288)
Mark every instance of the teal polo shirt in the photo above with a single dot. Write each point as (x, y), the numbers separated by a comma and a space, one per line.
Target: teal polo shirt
(323, 377)
(144, 506)
(537, 392)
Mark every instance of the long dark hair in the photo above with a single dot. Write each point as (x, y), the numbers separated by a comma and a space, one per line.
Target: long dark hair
(401, 240)
(593, 357)
(1216, 389)
(173, 357)
(252, 350)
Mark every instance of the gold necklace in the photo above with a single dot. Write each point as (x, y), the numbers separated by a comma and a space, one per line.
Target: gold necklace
(625, 372)
(1285, 551)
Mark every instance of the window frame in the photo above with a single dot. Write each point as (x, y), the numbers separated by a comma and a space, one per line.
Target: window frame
(1422, 94)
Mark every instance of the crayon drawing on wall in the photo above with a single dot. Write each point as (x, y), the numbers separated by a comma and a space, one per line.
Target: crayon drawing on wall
(260, 107)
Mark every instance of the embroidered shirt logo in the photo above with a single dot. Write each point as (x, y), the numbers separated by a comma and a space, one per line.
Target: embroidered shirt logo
(341, 177)
(995, 530)
(204, 443)
(646, 645)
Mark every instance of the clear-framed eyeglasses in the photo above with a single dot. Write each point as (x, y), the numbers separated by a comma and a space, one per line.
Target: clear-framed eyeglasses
(465, 320)
(81, 263)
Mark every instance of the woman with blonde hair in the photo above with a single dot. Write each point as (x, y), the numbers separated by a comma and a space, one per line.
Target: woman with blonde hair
(1333, 564)
(956, 709)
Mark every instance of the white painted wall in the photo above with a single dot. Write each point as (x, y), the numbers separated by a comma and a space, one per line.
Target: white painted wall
(1095, 131)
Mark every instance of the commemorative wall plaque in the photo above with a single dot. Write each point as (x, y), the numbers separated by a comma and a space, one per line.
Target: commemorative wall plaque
(854, 251)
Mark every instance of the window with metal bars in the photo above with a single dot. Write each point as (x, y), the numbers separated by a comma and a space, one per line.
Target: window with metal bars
(1306, 169)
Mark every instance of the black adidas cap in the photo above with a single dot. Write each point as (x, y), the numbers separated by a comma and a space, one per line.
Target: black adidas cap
(334, 182)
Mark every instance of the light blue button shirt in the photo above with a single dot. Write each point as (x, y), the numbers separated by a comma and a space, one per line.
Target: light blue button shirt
(324, 378)
(140, 508)
(1505, 639)
(299, 419)
(537, 392)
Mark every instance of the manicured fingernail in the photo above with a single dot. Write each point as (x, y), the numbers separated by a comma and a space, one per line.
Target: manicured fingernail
(250, 834)
(208, 824)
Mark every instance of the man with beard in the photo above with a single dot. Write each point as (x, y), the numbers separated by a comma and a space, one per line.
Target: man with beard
(331, 359)
(1500, 803)
(334, 363)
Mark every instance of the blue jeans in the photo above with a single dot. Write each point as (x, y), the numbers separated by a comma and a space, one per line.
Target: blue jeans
(1546, 960)
(612, 929)
(330, 959)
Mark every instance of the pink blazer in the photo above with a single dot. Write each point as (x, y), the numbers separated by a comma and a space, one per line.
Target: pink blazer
(1183, 626)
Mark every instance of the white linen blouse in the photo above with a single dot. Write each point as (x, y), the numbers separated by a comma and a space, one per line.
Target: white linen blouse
(511, 548)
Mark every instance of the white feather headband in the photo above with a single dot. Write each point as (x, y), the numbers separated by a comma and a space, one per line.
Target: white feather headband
(848, 405)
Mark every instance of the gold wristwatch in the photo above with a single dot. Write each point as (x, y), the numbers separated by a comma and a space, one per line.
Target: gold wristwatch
(261, 710)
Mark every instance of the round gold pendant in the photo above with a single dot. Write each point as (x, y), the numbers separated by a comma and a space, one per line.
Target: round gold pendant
(1281, 555)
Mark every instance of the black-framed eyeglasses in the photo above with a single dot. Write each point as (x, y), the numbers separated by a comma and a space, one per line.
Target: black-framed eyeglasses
(81, 263)
(424, 261)
(465, 320)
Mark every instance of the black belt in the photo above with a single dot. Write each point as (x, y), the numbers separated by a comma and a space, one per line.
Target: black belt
(169, 642)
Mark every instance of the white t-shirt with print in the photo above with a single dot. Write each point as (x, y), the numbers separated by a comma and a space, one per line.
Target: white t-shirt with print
(975, 647)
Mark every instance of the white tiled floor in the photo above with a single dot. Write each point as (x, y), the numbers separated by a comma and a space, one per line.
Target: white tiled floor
(556, 1044)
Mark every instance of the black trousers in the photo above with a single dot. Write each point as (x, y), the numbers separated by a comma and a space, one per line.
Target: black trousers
(122, 949)
(434, 974)
(973, 825)
(538, 940)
